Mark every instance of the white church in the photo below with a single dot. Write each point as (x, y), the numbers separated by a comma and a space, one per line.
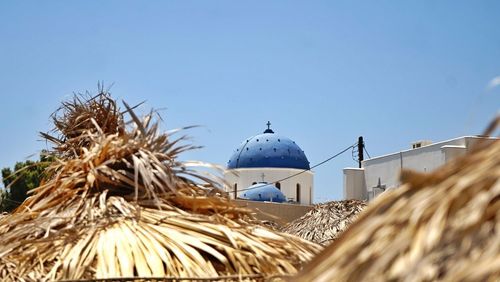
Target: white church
(380, 174)
(270, 167)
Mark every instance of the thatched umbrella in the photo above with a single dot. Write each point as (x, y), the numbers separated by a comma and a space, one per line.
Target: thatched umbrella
(440, 226)
(326, 221)
(118, 203)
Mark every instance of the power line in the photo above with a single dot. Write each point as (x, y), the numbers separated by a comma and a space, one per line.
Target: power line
(364, 147)
(300, 172)
(283, 179)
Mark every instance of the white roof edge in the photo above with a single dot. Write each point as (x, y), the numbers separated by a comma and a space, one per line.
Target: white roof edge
(433, 144)
(353, 168)
(453, 146)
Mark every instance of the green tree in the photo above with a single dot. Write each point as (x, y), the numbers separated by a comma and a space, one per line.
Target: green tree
(3, 200)
(25, 176)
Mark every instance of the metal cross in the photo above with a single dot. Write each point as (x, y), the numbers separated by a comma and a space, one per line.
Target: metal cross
(262, 175)
(268, 125)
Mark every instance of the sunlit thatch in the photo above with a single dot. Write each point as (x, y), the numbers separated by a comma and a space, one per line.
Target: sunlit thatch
(119, 203)
(326, 221)
(79, 116)
(442, 226)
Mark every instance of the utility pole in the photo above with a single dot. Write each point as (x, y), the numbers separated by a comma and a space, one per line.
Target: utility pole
(361, 146)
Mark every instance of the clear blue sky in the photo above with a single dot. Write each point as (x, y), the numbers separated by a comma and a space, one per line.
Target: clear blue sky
(323, 72)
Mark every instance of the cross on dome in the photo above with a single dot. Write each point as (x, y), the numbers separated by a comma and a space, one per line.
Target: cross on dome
(268, 130)
(268, 150)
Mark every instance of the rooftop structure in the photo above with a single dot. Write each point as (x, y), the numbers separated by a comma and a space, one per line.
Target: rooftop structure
(272, 158)
(379, 174)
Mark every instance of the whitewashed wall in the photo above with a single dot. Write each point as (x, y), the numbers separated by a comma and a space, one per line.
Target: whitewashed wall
(388, 168)
(354, 184)
(244, 177)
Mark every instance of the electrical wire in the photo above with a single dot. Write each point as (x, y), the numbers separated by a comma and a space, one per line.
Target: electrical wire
(283, 179)
(366, 151)
(300, 172)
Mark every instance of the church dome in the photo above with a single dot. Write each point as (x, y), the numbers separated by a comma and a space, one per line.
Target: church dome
(264, 192)
(268, 150)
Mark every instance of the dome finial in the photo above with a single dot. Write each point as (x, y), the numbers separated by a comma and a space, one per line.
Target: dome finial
(268, 130)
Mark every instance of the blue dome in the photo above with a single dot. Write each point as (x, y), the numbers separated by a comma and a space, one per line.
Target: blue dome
(268, 150)
(264, 192)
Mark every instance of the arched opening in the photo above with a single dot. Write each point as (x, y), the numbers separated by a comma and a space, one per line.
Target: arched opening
(278, 185)
(253, 183)
(297, 193)
(235, 190)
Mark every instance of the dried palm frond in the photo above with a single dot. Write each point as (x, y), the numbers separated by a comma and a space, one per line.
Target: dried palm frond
(81, 114)
(440, 226)
(273, 225)
(326, 221)
(125, 206)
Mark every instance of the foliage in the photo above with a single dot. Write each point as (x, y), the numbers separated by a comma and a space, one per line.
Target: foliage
(3, 200)
(25, 177)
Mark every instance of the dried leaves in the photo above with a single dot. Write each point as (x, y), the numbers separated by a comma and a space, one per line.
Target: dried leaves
(442, 226)
(325, 222)
(83, 114)
(119, 203)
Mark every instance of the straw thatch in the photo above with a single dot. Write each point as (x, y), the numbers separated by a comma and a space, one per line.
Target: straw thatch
(118, 203)
(441, 226)
(326, 221)
(273, 225)
(81, 115)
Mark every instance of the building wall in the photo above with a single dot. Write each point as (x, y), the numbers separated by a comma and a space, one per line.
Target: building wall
(354, 183)
(245, 177)
(280, 213)
(388, 168)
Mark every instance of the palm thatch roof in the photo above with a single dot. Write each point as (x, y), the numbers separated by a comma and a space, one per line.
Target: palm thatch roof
(442, 226)
(326, 221)
(273, 225)
(118, 203)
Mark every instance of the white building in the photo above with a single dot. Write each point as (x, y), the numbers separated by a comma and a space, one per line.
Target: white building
(271, 158)
(379, 174)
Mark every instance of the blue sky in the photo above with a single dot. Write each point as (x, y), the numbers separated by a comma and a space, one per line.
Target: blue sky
(323, 72)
